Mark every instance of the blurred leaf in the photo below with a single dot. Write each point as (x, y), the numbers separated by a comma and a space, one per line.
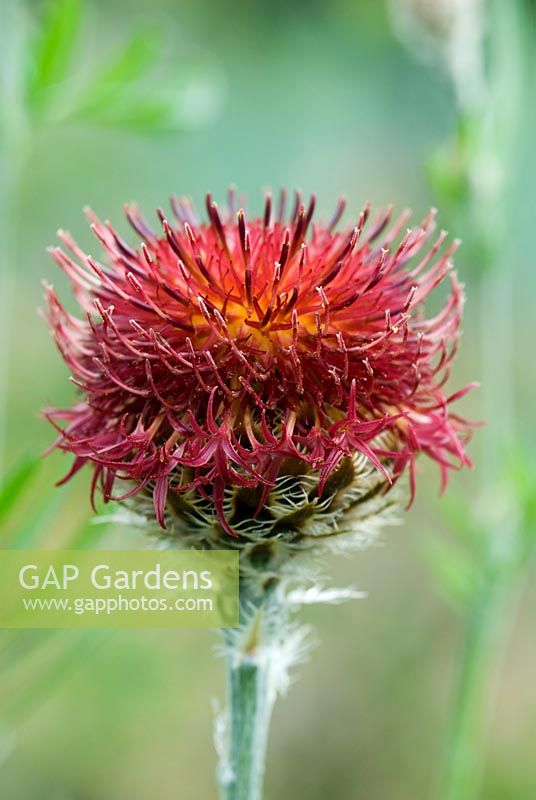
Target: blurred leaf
(27, 518)
(447, 175)
(126, 66)
(15, 483)
(36, 662)
(148, 98)
(456, 572)
(137, 87)
(528, 532)
(52, 52)
(32, 511)
(36, 521)
(462, 524)
(521, 477)
(141, 114)
(48, 672)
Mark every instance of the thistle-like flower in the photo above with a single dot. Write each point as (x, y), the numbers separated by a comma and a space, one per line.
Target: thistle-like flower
(261, 380)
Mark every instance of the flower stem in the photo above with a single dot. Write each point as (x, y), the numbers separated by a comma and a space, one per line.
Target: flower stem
(491, 612)
(250, 706)
(484, 637)
(252, 653)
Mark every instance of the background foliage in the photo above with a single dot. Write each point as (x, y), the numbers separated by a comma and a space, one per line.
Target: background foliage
(105, 102)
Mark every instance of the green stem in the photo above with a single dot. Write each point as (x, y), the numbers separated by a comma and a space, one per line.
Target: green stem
(490, 612)
(250, 705)
(251, 679)
(485, 633)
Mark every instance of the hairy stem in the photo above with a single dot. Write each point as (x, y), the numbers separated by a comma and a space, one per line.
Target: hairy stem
(250, 705)
(252, 668)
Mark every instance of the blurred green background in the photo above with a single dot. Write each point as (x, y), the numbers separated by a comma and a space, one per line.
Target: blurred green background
(324, 97)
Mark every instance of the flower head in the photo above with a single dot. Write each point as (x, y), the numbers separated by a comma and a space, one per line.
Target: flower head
(232, 353)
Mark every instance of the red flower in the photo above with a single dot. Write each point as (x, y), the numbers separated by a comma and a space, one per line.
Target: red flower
(217, 352)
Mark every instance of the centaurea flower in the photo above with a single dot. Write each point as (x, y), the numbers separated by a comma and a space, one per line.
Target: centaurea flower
(218, 359)
(260, 384)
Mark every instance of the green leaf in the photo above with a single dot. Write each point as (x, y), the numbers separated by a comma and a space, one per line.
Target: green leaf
(138, 88)
(39, 518)
(131, 112)
(52, 52)
(15, 483)
(521, 477)
(130, 64)
(73, 649)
